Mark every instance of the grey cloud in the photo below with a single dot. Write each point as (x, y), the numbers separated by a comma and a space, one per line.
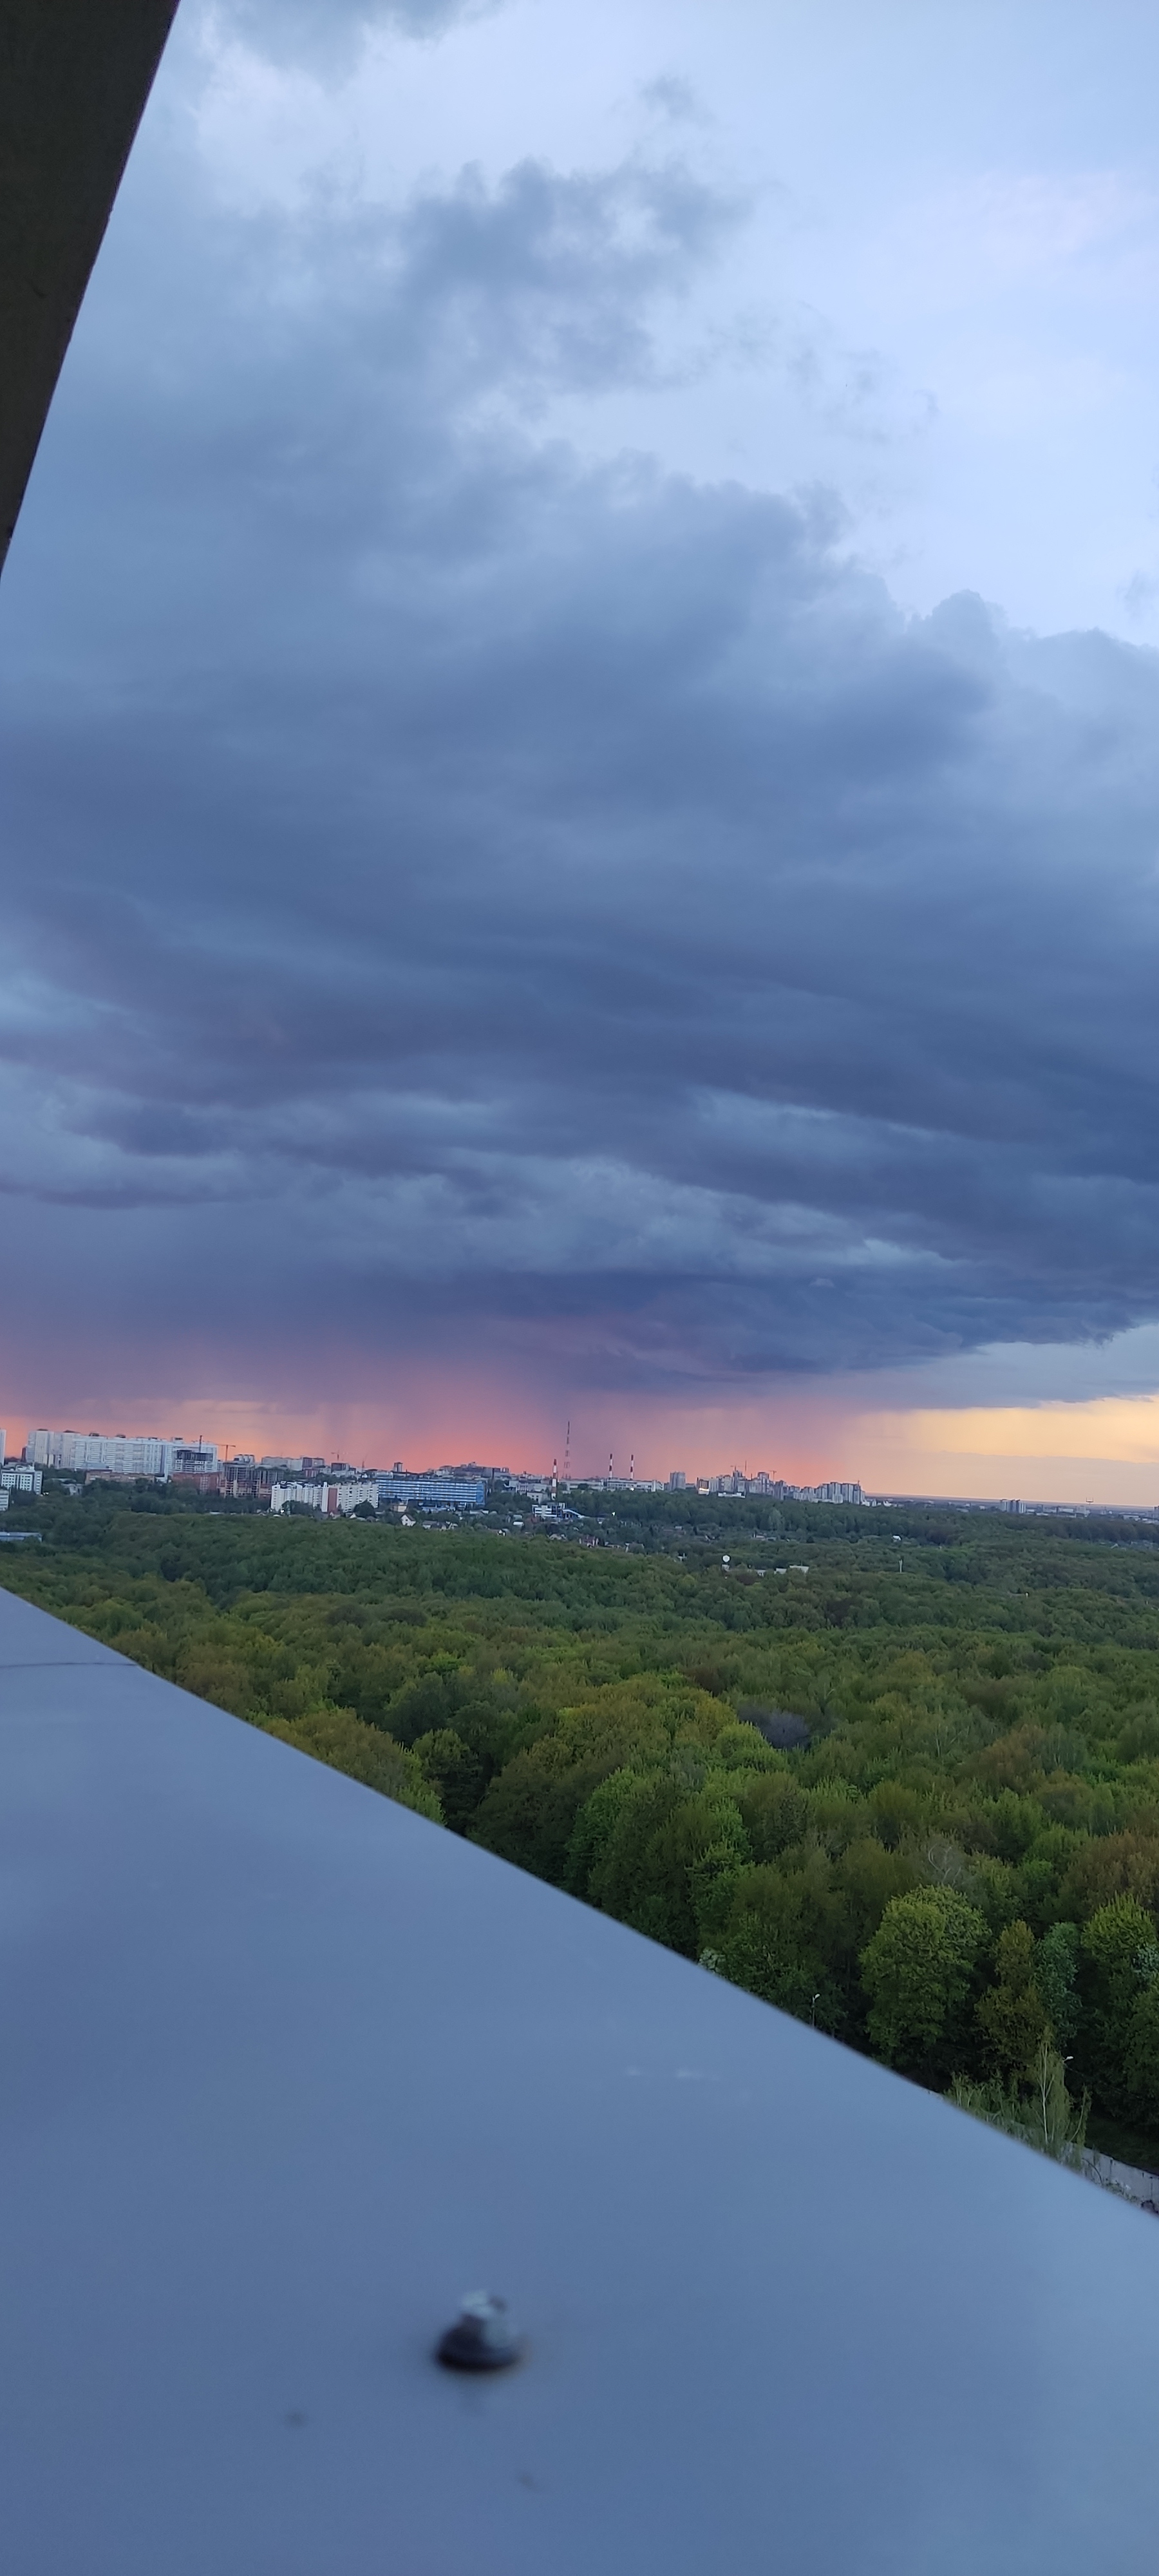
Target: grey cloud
(547, 282)
(476, 885)
(1139, 595)
(327, 36)
(673, 97)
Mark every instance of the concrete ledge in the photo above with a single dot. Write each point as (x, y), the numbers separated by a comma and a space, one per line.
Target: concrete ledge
(288, 2070)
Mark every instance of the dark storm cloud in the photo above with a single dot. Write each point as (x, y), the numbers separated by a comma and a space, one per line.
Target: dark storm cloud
(469, 886)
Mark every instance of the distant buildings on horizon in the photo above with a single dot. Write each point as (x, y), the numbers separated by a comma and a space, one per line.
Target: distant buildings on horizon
(117, 1453)
(335, 1486)
(772, 1488)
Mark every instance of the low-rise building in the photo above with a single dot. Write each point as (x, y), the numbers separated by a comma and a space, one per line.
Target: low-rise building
(320, 1495)
(18, 1478)
(465, 1493)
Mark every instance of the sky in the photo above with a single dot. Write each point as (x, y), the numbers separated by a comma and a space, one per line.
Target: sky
(579, 750)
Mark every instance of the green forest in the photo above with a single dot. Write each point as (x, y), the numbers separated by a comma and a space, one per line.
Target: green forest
(895, 1771)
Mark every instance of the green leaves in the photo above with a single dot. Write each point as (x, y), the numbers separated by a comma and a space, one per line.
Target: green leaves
(1056, 1961)
(1118, 1954)
(336, 1736)
(1012, 2016)
(958, 1854)
(1040, 2111)
(918, 1971)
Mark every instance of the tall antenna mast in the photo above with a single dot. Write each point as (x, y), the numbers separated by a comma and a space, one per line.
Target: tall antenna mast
(567, 1456)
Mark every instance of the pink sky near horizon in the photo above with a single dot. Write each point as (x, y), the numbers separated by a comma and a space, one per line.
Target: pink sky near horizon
(1104, 1449)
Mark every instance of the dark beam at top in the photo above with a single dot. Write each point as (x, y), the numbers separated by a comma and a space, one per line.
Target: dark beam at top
(74, 78)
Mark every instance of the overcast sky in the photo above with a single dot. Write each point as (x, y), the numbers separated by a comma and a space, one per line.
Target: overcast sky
(580, 756)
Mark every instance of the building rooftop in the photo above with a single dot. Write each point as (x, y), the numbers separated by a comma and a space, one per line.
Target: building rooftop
(288, 2071)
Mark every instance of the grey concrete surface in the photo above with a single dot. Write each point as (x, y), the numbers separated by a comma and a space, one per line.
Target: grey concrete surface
(27, 1636)
(286, 2071)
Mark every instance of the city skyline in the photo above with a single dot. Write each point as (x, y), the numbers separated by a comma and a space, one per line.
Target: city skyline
(1105, 1482)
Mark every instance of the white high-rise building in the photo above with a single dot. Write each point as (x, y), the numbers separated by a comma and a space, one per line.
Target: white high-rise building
(101, 1453)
